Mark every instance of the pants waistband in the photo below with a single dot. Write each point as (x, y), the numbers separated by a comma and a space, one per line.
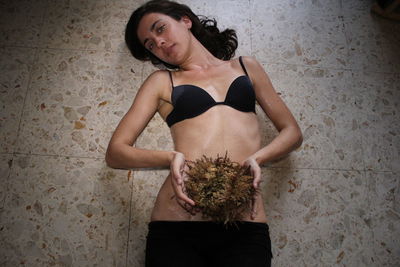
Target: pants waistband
(206, 227)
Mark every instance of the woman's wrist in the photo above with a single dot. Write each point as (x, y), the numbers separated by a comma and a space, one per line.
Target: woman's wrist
(252, 158)
(172, 155)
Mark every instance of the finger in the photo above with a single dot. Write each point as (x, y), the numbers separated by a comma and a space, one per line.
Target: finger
(185, 198)
(186, 206)
(257, 177)
(254, 208)
(181, 195)
(177, 171)
(176, 174)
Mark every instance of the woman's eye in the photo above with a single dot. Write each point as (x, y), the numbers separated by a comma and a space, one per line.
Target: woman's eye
(161, 29)
(150, 46)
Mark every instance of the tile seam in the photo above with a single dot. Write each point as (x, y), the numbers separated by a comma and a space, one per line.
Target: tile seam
(129, 219)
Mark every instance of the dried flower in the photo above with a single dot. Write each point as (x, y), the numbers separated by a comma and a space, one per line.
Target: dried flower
(222, 189)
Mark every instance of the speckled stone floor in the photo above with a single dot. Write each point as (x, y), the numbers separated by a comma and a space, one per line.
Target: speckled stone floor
(67, 79)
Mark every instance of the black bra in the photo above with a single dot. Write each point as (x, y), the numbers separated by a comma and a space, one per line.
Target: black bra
(190, 100)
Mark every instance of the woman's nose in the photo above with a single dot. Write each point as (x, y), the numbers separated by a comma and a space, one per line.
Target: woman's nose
(160, 42)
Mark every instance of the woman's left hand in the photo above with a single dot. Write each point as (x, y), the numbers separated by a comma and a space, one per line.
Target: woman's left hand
(255, 171)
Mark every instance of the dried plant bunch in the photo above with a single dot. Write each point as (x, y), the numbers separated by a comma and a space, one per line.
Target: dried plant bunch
(222, 189)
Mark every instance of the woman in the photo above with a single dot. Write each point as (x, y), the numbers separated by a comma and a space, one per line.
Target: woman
(209, 104)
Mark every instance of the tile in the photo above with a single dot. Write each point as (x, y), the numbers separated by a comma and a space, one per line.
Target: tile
(227, 18)
(292, 206)
(323, 105)
(197, 6)
(298, 36)
(21, 22)
(344, 203)
(290, 193)
(16, 66)
(75, 24)
(284, 7)
(390, 50)
(372, 43)
(384, 218)
(122, 78)
(75, 102)
(378, 101)
(156, 136)
(122, 9)
(65, 211)
(357, 6)
(146, 184)
(115, 19)
(6, 161)
(317, 217)
(149, 68)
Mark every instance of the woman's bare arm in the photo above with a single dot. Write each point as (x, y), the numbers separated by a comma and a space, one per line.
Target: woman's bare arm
(290, 136)
(120, 153)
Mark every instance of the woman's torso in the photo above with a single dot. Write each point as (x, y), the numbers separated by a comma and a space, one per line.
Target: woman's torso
(219, 130)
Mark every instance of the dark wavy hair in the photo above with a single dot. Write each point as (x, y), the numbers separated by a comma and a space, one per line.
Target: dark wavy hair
(221, 44)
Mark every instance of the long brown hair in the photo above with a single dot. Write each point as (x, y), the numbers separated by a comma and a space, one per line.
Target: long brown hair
(221, 44)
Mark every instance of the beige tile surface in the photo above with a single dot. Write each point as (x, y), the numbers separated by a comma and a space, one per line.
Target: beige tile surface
(65, 212)
(373, 40)
(228, 18)
(146, 184)
(366, 43)
(76, 99)
(383, 218)
(316, 217)
(321, 100)
(6, 161)
(21, 22)
(16, 66)
(75, 24)
(283, 33)
(378, 102)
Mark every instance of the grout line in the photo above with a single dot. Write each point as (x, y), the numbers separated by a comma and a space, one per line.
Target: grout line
(161, 168)
(129, 220)
(346, 35)
(328, 68)
(327, 169)
(251, 28)
(7, 191)
(28, 86)
(55, 155)
(66, 49)
(251, 48)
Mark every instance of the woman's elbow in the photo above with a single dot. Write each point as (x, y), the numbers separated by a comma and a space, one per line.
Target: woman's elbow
(299, 139)
(109, 158)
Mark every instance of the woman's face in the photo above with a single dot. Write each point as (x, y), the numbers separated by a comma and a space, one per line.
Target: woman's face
(164, 37)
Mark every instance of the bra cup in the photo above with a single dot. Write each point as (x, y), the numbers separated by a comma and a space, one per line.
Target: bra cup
(190, 101)
(241, 95)
(193, 102)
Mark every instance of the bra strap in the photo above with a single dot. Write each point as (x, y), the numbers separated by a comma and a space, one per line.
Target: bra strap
(243, 67)
(170, 76)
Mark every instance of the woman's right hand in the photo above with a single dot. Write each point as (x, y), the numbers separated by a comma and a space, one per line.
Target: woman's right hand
(178, 176)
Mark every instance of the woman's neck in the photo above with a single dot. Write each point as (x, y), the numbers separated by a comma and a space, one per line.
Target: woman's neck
(199, 58)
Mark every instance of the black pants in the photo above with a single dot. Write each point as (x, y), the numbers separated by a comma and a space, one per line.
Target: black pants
(205, 243)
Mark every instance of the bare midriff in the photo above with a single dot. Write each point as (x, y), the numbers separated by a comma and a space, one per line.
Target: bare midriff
(219, 130)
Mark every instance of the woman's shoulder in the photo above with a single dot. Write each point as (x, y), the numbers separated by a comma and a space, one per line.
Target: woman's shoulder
(251, 63)
(156, 82)
(247, 60)
(158, 76)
